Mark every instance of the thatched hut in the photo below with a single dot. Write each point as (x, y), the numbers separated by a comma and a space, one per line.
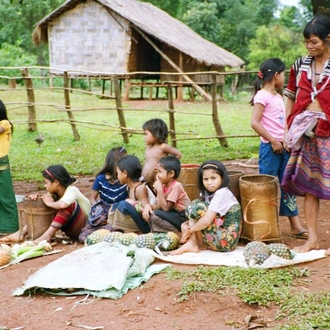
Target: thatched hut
(121, 36)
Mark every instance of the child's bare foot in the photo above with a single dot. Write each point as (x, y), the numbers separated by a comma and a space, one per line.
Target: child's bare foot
(14, 237)
(190, 246)
(308, 246)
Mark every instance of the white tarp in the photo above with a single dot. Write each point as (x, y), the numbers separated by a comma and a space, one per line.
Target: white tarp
(236, 258)
(94, 269)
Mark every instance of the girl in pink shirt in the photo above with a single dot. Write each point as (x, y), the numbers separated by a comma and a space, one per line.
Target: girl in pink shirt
(268, 120)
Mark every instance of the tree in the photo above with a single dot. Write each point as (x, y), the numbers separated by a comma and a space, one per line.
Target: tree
(275, 41)
(171, 7)
(18, 18)
(292, 18)
(203, 20)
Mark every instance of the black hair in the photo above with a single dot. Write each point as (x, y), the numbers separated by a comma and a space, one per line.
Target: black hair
(158, 128)
(59, 173)
(319, 26)
(110, 162)
(216, 166)
(267, 70)
(171, 163)
(4, 116)
(132, 166)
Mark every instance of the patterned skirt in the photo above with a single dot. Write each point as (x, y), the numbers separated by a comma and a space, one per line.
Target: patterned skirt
(224, 232)
(308, 169)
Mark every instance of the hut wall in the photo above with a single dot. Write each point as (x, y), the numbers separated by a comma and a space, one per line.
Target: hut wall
(188, 65)
(89, 38)
(143, 57)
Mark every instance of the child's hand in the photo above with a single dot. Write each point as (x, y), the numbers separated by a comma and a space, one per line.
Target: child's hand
(158, 185)
(33, 197)
(147, 210)
(186, 232)
(277, 147)
(47, 199)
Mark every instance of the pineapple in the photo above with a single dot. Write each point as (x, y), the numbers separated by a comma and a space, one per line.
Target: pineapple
(169, 242)
(97, 236)
(113, 237)
(281, 250)
(165, 241)
(127, 238)
(145, 241)
(256, 253)
(5, 257)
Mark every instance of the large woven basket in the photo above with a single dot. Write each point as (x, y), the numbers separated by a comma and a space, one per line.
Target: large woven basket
(234, 176)
(259, 200)
(188, 179)
(37, 215)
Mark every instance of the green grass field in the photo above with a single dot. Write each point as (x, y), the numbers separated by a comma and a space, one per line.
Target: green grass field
(86, 156)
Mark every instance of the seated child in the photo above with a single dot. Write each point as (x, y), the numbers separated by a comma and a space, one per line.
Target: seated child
(216, 222)
(168, 213)
(106, 190)
(72, 206)
(155, 137)
(127, 215)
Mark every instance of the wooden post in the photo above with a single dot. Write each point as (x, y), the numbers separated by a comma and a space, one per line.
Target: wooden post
(32, 125)
(197, 87)
(89, 84)
(103, 86)
(180, 87)
(215, 117)
(67, 105)
(120, 111)
(127, 88)
(171, 114)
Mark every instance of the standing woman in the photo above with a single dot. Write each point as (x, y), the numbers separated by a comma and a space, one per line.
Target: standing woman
(8, 206)
(308, 109)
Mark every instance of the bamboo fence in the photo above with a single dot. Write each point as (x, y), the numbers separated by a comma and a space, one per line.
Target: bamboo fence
(116, 93)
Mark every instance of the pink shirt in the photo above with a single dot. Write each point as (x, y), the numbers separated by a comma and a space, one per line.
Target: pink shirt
(273, 118)
(177, 195)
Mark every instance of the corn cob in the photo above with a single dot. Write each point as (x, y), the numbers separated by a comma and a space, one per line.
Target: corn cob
(96, 236)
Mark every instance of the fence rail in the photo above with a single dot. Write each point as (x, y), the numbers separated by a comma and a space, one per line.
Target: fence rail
(211, 90)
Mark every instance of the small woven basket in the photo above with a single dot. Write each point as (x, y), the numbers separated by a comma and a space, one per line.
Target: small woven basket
(38, 217)
(259, 200)
(188, 179)
(234, 176)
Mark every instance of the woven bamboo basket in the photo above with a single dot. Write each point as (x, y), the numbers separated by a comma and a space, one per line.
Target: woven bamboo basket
(234, 176)
(259, 200)
(38, 216)
(188, 179)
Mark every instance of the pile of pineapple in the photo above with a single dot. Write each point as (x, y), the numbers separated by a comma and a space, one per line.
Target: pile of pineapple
(164, 241)
(257, 252)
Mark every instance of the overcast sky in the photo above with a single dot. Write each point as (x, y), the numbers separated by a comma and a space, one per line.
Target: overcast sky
(289, 2)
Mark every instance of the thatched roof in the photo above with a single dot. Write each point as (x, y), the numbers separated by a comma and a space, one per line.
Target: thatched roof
(156, 23)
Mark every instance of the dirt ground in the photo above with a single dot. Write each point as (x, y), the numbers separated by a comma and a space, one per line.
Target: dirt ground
(154, 304)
